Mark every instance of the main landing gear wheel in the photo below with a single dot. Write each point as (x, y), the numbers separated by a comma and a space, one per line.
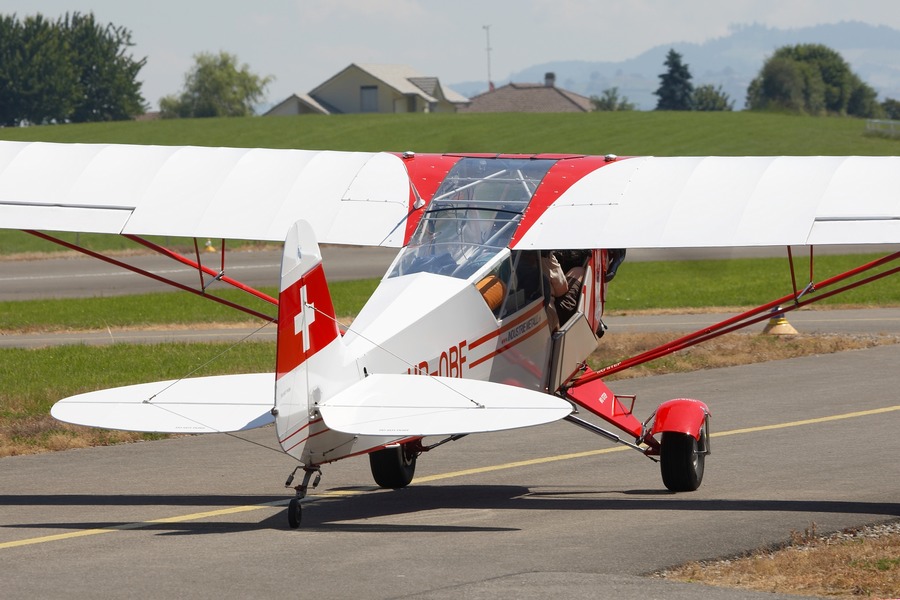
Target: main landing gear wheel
(682, 459)
(393, 467)
(294, 513)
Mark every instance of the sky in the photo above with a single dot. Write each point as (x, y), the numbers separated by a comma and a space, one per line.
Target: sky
(301, 43)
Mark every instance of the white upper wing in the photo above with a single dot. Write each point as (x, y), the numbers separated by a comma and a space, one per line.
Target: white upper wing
(364, 198)
(255, 194)
(654, 202)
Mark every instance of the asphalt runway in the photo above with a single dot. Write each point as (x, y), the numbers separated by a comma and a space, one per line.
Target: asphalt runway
(546, 511)
(79, 277)
(83, 277)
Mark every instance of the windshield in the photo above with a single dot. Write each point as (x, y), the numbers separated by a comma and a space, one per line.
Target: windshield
(473, 216)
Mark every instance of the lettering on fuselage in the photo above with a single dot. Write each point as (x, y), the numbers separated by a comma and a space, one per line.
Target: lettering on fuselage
(450, 363)
(520, 330)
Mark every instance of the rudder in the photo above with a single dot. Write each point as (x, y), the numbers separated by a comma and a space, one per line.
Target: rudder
(310, 353)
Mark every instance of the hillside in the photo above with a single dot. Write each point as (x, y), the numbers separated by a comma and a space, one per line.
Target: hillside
(634, 133)
(731, 61)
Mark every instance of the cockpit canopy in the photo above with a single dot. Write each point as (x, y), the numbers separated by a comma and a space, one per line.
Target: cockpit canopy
(473, 216)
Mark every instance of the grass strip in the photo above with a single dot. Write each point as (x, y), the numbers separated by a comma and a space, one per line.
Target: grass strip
(736, 282)
(630, 133)
(165, 308)
(31, 380)
(638, 286)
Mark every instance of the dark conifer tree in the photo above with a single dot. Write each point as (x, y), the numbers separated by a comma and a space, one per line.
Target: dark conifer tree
(675, 89)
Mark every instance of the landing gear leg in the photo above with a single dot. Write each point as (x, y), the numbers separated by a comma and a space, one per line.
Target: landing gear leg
(295, 510)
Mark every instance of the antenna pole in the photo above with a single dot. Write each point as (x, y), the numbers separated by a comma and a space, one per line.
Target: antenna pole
(487, 32)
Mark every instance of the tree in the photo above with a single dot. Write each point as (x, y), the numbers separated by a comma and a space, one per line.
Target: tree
(43, 82)
(891, 109)
(709, 98)
(610, 100)
(863, 101)
(781, 85)
(10, 68)
(675, 89)
(812, 79)
(108, 89)
(216, 87)
(70, 70)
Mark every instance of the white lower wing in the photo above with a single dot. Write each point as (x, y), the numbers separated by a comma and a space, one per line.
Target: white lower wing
(412, 405)
(200, 405)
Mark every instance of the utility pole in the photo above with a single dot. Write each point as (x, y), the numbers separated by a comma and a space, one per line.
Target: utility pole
(487, 32)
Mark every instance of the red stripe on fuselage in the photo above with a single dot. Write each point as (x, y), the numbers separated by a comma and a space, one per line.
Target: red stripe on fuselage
(299, 429)
(507, 326)
(310, 436)
(536, 310)
(368, 450)
(561, 176)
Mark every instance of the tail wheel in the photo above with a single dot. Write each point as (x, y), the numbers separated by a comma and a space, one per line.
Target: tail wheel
(294, 513)
(682, 459)
(393, 467)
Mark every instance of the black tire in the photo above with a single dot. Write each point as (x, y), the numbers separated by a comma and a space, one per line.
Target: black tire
(682, 459)
(294, 513)
(393, 467)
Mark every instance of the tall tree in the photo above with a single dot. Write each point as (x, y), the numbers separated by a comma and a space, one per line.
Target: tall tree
(46, 82)
(10, 67)
(676, 92)
(68, 70)
(108, 89)
(216, 87)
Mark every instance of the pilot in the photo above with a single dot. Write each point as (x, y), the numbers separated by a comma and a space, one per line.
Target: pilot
(556, 285)
(574, 263)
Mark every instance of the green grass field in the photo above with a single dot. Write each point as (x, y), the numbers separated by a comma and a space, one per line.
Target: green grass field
(32, 380)
(149, 310)
(623, 133)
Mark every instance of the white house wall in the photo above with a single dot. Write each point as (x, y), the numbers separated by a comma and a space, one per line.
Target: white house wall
(343, 92)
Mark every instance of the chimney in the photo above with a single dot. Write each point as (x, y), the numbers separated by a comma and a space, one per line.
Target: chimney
(549, 79)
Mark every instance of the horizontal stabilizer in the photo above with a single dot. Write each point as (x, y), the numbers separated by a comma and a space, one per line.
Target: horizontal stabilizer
(416, 405)
(200, 405)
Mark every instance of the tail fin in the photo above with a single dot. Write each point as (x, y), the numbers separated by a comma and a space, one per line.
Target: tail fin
(310, 362)
(306, 319)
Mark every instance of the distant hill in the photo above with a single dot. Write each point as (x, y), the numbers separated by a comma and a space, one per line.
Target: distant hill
(731, 61)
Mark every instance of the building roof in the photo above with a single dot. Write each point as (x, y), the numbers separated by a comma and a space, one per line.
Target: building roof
(305, 99)
(407, 80)
(529, 97)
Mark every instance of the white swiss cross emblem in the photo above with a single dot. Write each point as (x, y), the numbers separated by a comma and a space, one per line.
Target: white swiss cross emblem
(304, 319)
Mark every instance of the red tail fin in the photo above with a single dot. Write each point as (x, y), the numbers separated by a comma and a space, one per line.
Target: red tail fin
(306, 319)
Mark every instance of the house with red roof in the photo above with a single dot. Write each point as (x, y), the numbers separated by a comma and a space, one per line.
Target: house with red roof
(529, 97)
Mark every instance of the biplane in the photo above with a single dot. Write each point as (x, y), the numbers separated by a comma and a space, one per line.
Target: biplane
(471, 330)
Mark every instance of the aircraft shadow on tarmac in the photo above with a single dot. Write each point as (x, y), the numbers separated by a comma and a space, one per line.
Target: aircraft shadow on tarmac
(349, 513)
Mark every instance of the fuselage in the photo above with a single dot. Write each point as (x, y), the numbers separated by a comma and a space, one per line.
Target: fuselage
(456, 302)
